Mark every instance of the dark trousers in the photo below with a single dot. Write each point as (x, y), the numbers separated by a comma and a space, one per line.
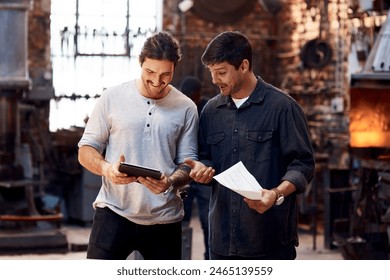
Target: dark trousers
(284, 253)
(115, 238)
(201, 194)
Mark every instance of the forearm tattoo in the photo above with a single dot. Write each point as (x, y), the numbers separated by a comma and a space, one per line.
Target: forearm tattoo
(181, 176)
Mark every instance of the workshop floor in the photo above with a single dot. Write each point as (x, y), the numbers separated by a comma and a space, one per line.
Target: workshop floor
(77, 237)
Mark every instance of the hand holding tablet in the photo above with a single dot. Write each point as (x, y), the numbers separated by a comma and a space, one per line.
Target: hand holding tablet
(139, 171)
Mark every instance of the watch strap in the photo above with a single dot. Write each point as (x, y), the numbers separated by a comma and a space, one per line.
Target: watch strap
(278, 194)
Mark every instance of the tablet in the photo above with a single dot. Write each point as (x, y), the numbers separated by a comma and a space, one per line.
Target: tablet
(139, 171)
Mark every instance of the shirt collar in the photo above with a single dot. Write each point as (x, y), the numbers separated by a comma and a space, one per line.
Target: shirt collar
(256, 96)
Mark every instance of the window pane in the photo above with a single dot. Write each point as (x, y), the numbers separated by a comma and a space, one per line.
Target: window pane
(102, 26)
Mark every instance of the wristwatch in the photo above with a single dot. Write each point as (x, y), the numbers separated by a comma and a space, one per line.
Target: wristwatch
(279, 197)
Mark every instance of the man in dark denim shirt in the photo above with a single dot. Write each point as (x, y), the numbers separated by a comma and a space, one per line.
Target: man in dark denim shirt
(253, 122)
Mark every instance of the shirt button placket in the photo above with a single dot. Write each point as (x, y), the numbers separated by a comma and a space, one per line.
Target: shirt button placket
(149, 117)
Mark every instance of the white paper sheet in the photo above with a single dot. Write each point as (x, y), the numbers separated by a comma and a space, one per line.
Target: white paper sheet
(238, 179)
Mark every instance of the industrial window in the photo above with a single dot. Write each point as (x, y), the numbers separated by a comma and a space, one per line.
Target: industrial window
(94, 45)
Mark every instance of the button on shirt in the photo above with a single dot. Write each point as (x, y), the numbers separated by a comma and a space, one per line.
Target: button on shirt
(269, 134)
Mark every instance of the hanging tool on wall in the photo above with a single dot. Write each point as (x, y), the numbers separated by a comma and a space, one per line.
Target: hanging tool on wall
(317, 53)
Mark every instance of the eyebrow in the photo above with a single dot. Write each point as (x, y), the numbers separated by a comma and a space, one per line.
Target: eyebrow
(218, 69)
(163, 73)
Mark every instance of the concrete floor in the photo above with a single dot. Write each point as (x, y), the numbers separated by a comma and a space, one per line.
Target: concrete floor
(77, 238)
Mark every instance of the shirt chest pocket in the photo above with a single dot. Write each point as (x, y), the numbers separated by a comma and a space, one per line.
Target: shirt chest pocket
(216, 143)
(259, 145)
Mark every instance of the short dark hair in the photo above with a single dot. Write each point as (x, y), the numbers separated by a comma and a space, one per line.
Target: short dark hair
(230, 46)
(161, 46)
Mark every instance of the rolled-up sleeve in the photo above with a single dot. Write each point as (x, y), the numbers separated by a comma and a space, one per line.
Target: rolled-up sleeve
(97, 129)
(297, 148)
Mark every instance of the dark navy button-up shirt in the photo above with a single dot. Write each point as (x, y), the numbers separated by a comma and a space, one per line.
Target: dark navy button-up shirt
(269, 134)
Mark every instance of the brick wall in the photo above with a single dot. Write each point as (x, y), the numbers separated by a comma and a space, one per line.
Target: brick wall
(278, 39)
(39, 34)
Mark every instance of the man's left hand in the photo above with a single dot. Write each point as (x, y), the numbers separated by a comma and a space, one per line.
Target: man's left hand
(155, 186)
(268, 198)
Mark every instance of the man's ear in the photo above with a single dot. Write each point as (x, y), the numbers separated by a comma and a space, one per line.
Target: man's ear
(244, 66)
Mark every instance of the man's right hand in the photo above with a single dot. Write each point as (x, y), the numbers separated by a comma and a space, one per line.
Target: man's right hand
(199, 172)
(111, 171)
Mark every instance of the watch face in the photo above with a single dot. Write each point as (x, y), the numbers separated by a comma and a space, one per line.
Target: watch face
(280, 200)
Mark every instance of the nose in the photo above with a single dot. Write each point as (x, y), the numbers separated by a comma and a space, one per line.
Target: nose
(156, 80)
